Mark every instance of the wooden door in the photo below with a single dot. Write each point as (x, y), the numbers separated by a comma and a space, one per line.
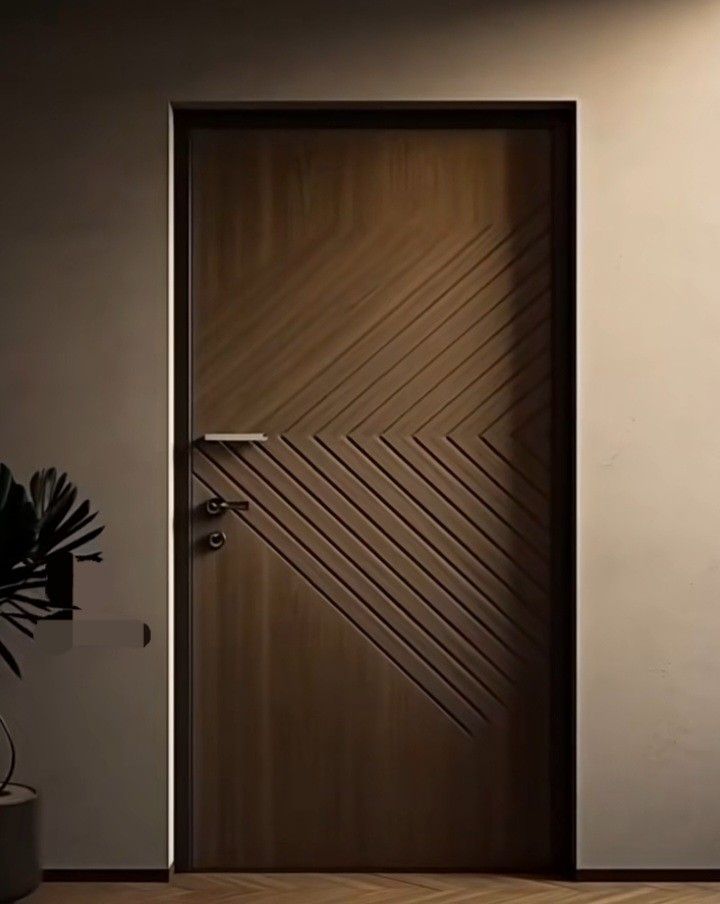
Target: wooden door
(372, 645)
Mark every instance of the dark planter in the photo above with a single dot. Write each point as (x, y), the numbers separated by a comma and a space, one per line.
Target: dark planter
(19, 860)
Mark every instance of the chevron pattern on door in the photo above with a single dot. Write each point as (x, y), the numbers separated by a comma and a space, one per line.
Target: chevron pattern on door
(379, 304)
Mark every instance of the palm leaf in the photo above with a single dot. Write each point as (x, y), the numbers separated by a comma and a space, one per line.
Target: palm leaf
(48, 487)
(86, 538)
(53, 498)
(36, 483)
(9, 658)
(62, 480)
(21, 612)
(9, 589)
(60, 505)
(50, 529)
(80, 513)
(18, 525)
(65, 531)
(12, 619)
(29, 601)
(38, 533)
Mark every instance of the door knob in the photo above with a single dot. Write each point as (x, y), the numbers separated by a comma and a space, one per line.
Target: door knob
(216, 540)
(216, 506)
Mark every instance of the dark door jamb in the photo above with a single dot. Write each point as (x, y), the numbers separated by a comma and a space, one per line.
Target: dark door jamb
(560, 118)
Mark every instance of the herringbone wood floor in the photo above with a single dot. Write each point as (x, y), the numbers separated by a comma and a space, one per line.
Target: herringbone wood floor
(371, 889)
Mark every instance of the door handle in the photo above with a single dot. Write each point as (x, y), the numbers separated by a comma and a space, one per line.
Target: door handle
(216, 506)
(235, 437)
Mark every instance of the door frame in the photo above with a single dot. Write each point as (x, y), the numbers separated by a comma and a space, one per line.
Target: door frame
(560, 118)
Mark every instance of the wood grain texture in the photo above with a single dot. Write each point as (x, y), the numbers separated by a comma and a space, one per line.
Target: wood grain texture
(406, 888)
(371, 651)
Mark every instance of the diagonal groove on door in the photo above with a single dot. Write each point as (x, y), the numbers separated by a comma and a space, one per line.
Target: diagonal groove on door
(352, 347)
(530, 525)
(393, 265)
(425, 364)
(480, 558)
(413, 547)
(365, 347)
(492, 619)
(532, 349)
(522, 548)
(503, 296)
(405, 493)
(480, 372)
(427, 530)
(395, 258)
(376, 351)
(383, 638)
(348, 583)
(533, 435)
(490, 531)
(502, 436)
(365, 581)
(377, 546)
(373, 423)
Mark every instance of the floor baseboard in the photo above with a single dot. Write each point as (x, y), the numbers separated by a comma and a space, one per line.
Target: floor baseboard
(108, 875)
(580, 875)
(648, 875)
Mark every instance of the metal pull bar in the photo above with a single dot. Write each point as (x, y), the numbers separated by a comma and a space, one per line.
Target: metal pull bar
(216, 506)
(235, 437)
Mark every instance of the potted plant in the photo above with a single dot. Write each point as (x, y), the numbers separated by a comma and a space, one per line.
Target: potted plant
(42, 529)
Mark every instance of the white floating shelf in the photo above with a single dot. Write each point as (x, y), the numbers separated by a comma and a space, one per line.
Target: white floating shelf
(235, 438)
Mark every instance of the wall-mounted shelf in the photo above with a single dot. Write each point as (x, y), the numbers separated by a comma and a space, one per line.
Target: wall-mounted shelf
(235, 438)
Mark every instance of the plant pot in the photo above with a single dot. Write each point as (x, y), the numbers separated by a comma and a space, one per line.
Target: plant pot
(19, 861)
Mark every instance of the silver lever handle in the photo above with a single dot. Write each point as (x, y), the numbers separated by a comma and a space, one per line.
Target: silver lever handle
(216, 506)
(235, 437)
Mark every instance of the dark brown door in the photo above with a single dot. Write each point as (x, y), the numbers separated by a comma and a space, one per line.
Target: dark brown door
(371, 645)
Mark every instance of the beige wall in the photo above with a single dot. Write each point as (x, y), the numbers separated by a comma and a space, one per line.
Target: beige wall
(83, 360)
